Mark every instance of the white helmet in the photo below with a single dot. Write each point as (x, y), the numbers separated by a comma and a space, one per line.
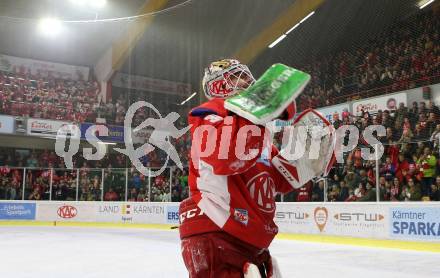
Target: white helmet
(225, 78)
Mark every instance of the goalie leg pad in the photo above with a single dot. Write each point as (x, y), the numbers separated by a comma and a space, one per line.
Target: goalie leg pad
(251, 271)
(276, 273)
(269, 269)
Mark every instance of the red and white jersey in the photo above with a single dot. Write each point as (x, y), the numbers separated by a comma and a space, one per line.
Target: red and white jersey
(227, 193)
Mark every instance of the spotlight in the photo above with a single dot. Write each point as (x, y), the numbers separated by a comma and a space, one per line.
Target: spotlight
(49, 26)
(422, 4)
(98, 3)
(78, 2)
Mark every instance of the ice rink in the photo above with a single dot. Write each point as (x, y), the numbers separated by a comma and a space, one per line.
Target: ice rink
(66, 252)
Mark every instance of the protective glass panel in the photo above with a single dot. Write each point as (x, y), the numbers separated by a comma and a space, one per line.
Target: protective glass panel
(160, 187)
(90, 186)
(11, 183)
(37, 184)
(64, 185)
(114, 185)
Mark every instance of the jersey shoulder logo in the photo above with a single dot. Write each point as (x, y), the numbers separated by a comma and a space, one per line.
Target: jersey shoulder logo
(242, 216)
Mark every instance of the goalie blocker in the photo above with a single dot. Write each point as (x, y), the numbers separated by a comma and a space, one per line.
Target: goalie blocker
(313, 139)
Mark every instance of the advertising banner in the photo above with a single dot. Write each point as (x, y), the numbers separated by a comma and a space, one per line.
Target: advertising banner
(328, 112)
(403, 221)
(293, 218)
(45, 128)
(332, 219)
(142, 83)
(373, 105)
(7, 124)
(63, 71)
(115, 133)
(359, 221)
(172, 214)
(131, 212)
(17, 211)
(140, 136)
(415, 223)
(68, 211)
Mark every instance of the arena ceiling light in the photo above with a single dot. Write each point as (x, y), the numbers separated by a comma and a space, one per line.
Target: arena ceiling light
(79, 2)
(277, 40)
(305, 18)
(188, 99)
(49, 27)
(290, 30)
(98, 3)
(293, 28)
(424, 3)
(90, 3)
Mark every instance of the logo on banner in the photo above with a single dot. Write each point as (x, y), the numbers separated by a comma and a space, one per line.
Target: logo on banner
(242, 216)
(297, 215)
(126, 213)
(379, 103)
(6, 124)
(415, 223)
(359, 216)
(102, 132)
(13, 211)
(321, 217)
(126, 209)
(262, 190)
(366, 220)
(132, 211)
(172, 214)
(67, 212)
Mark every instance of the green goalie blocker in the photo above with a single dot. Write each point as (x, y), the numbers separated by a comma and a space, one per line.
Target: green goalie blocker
(270, 95)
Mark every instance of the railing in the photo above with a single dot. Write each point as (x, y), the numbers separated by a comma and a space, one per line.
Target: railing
(88, 184)
(13, 111)
(385, 89)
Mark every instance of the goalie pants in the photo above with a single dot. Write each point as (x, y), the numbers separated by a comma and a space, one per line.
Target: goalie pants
(219, 255)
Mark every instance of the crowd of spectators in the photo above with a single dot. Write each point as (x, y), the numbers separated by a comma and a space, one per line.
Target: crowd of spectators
(92, 184)
(409, 169)
(405, 57)
(27, 95)
(38, 158)
(10, 184)
(157, 189)
(180, 189)
(114, 110)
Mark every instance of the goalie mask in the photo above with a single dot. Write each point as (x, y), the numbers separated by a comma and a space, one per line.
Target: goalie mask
(225, 78)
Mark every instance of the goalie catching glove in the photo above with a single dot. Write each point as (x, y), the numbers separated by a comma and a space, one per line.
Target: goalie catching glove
(308, 149)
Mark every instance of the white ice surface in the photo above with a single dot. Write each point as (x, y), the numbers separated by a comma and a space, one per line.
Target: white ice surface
(68, 252)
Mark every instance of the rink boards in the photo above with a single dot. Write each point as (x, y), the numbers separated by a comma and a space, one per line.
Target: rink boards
(405, 221)
(398, 221)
